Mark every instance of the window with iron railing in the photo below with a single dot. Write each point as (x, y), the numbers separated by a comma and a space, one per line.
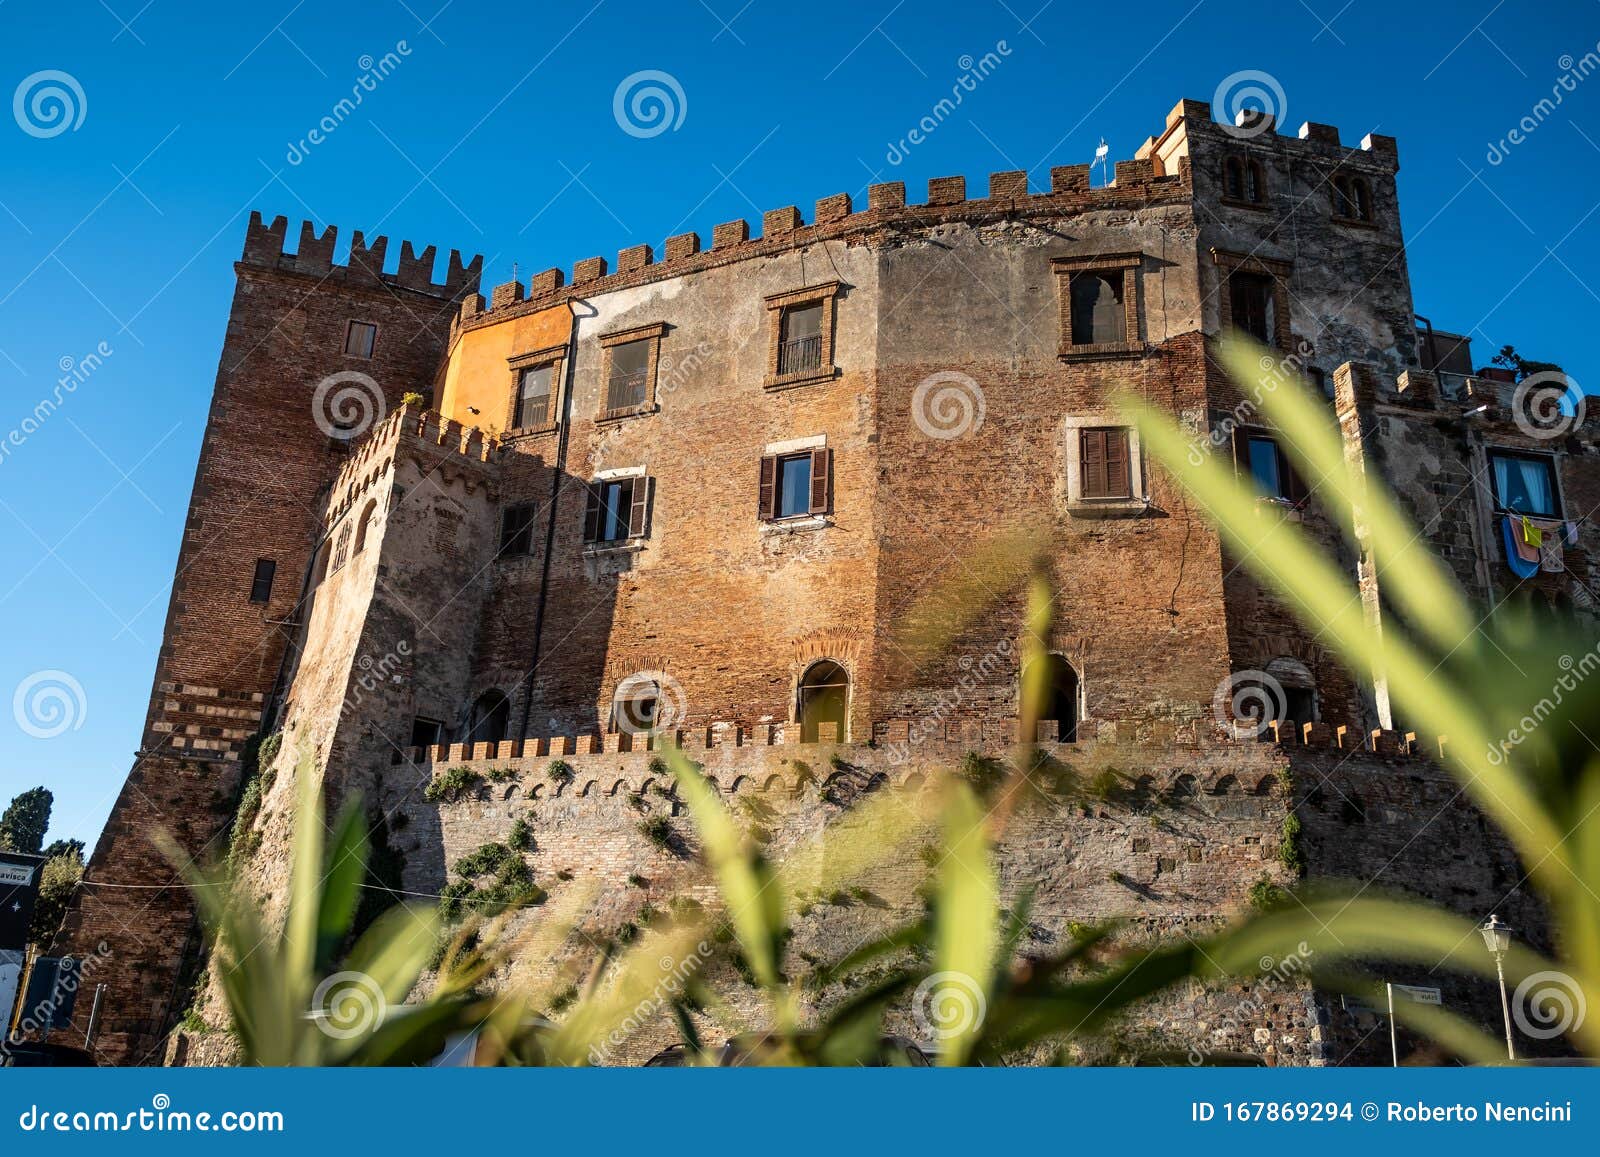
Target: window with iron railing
(627, 387)
(800, 339)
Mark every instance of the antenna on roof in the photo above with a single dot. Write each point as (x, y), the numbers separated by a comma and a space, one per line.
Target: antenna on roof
(513, 271)
(1100, 156)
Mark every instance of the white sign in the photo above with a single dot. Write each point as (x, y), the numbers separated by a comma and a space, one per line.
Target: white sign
(1417, 994)
(16, 873)
(10, 979)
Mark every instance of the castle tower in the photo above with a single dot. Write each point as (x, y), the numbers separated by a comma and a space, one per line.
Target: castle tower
(315, 354)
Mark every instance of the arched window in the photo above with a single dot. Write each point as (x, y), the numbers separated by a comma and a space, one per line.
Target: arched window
(341, 548)
(824, 697)
(1233, 178)
(1062, 695)
(1097, 314)
(1352, 198)
(636, 706)
(490, 718)
(366, 521)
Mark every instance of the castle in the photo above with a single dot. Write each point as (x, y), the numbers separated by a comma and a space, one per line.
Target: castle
(695, 498)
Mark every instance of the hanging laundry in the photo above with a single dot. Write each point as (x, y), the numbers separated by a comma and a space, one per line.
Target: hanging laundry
(1528, 554)
(1511, 535)
(1531, 534)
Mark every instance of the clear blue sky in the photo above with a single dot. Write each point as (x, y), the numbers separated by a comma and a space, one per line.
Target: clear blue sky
(496, 133)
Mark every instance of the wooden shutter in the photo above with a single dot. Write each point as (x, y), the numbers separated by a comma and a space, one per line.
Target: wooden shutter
(1092, 461)
(591, 513)
(767, 497)
(639, 510)
(1119, 482)
(821, 480)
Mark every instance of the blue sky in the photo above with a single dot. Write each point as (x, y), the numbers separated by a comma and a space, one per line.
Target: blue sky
(494, 131)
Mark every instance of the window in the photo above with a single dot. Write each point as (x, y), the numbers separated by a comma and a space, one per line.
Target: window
(1252, 303)
(516, 530)
(489, 719)
(801, 341)
(795, 485)
(1097, 312)
(1104, 464)
(1269, 468)
(823, 697)
(1525, 483)
(359, 339)
(533, 397)
(426, 732)
(635, 708)
(261, 582)
(1099, 304)
(630, 372)
(618, 509)
(1352, 199)
(632, 356)
(362, 527)
(1061, 695)
(341, 548)
(1244, 180)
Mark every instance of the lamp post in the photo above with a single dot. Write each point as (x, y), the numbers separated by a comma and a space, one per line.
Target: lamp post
(1497, 938)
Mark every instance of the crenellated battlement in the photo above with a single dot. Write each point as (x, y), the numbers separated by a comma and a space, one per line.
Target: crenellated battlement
(373, 456)
(1192, 120)
(265, 247)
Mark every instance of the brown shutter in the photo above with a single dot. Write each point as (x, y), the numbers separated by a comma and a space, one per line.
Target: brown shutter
(591, 513)
(1118, 482)
(821, 480)
(639, 513)
(1092, 459)
(767, 497)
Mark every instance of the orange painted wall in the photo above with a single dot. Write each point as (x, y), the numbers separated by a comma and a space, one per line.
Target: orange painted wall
(476, 374)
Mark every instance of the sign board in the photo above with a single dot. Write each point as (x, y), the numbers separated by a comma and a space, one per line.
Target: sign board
(1417, 994)
(19, 887)
(10, 979)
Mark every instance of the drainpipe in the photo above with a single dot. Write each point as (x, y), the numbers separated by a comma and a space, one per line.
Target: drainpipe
(569, 375)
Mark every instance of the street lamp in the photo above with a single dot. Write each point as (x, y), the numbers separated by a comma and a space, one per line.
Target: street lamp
(1497, 938)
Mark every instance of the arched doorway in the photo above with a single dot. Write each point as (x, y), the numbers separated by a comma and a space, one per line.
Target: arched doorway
(1062, 695)
(636, 706)
(823, 697)
(489, 719)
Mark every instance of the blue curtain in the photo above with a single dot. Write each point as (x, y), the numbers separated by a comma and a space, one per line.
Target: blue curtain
(1523, 485)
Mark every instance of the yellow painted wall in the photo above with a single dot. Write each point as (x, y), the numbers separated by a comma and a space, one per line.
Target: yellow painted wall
(476, 374)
